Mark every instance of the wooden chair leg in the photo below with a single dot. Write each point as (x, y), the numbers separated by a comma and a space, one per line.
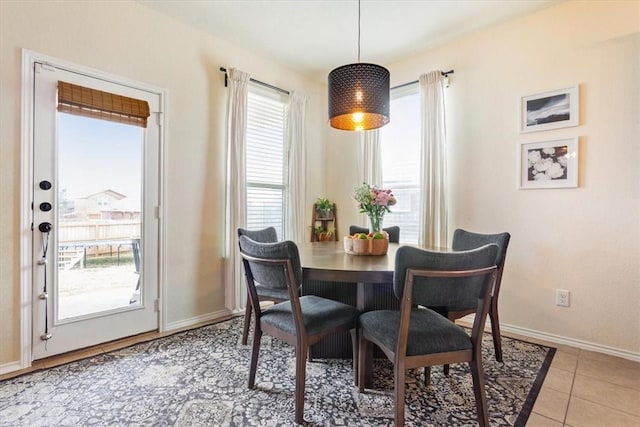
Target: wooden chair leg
(255, 350)
(495, 329)
(354, 350)
(398, 392)
(364, 347)
(451, 317)
(478, 389)
(427, 376)
(247, 321)
(301, 371)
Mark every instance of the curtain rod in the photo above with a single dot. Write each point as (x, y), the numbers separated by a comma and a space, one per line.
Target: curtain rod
(444, 74)
(286, 92)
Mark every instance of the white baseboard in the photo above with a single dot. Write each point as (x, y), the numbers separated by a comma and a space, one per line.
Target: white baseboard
(10, 367)
(195, 321)
(558, 339)
(572, 342)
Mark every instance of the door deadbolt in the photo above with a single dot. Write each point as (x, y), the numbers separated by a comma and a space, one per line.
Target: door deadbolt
(45, 227)
(45, 206)
(45, 185)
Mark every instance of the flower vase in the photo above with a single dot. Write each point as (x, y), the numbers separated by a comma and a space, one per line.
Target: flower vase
(375, 222)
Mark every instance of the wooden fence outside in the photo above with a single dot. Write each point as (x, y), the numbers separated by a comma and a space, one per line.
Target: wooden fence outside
(86, 231)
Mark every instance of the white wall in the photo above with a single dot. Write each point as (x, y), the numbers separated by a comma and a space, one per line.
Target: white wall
(586, 240)
(128, 39)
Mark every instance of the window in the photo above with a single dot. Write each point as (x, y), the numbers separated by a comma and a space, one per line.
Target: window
(265, 166)
(400, 149)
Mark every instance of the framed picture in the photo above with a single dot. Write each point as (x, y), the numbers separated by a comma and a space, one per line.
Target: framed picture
(549, 110)
(549, 164)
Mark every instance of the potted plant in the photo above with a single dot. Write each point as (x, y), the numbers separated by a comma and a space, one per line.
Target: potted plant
(324, 207)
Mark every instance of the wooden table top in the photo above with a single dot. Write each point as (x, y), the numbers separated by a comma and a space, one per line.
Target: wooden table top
(328, 261)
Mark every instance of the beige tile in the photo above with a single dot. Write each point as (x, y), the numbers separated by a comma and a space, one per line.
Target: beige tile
(565, 348)
(616, 371)
(614, 360)
(607, 394)
(537, 420)
(559, 380)
(71, 357)
(583, 413)
(565, 361)
(551, 404)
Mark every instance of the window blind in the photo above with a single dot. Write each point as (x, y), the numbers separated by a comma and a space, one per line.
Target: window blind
(87, 102)
(400, 149)
(265, 159)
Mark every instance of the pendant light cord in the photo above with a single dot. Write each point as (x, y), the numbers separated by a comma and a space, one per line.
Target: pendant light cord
(358, 30)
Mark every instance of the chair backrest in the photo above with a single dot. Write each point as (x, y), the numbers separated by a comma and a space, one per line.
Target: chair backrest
(393, 232)
(265, 235)
(271, 274)
(442, 278)
(443, 291)
(464, 240)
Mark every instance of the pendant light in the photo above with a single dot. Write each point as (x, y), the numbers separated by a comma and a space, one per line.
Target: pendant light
(359, 94)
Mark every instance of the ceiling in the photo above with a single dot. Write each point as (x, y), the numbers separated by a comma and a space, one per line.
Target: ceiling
(315, 36)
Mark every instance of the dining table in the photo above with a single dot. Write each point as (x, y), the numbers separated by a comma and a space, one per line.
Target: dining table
(360, 280)
(364, 281)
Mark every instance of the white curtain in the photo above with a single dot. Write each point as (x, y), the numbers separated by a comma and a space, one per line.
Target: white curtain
(433, 162)
(236, 188)
(370, 162)
(296, 166)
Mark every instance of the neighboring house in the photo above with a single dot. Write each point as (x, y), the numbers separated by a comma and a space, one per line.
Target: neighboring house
(107, 204)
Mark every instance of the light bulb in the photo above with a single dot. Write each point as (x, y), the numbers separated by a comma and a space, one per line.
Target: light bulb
(357, 117)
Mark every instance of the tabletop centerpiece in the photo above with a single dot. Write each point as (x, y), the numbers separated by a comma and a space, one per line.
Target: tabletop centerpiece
(374, 202)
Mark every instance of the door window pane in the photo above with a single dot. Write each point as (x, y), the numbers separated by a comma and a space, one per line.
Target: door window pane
(99, 215)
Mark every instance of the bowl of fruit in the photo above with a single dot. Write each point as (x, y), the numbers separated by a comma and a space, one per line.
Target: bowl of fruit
(376, 243)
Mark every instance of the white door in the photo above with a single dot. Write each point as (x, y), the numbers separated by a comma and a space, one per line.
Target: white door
(95, 226)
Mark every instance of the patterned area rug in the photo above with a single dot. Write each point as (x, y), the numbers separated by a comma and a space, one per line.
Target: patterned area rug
(199, 378)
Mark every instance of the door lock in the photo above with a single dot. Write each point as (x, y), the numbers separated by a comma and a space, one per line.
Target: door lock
(45, 227)
(45, 206)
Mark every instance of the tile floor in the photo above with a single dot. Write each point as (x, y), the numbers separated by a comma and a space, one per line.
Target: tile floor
(582, 388)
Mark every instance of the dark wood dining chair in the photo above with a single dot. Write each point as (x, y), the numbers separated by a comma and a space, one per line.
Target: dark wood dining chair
(464, 240)
(265, 235)
(300, 321)
(415, 336)
(393, 232)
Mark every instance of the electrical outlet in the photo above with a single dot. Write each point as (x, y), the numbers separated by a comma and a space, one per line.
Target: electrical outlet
(562, 297)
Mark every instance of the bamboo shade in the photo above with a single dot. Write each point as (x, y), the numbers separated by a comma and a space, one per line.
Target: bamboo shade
(83, 101)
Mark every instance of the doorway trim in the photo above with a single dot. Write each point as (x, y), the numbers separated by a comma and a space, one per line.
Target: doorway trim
(29, 58)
